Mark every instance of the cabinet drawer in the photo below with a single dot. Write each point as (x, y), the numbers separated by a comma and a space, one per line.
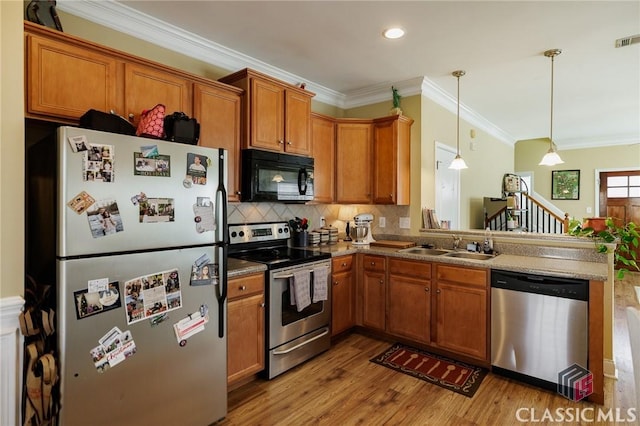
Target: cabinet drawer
(374, 263)
(245, 286)
(462, 275)
(341, 264)
(410, 268)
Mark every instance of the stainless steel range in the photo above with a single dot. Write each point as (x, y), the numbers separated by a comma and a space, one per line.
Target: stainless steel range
(295, 333)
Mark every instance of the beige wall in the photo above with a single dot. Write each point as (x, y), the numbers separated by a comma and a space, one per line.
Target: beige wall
(588, 160)
(487, 163)
(11, 149)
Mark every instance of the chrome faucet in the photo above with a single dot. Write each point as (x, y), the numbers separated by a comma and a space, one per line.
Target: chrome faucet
(456, 242)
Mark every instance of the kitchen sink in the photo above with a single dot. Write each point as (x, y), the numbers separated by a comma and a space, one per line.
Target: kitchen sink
(470, 255)
(424, 251)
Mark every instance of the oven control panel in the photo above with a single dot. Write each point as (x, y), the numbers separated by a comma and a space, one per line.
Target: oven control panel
(253, 232)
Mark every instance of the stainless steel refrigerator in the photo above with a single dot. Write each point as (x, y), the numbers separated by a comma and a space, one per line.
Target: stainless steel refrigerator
(133, 234)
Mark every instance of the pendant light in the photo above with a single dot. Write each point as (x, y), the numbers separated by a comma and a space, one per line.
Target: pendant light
(551, 158)
(458, 163)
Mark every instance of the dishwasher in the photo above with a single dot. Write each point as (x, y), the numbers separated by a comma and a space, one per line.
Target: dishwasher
(539, 326)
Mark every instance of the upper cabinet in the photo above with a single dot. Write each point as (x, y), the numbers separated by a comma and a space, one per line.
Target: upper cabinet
(277, 115)
(323, 140)
(67, 76)
(63, 81)
(146, 86)
(391, 160)
(218, 111)
(353, 161)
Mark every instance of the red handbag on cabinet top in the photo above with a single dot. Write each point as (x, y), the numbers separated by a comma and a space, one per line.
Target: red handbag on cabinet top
(151, 123)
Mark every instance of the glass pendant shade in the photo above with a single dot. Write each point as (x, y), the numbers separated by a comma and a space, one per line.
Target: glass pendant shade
(458, 163)
(551, 158)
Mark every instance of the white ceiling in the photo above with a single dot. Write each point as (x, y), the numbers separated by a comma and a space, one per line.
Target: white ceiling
(336, 47)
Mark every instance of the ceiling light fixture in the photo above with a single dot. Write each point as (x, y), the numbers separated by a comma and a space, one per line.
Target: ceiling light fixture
(393, 33)
(458, 163)
(551, 158)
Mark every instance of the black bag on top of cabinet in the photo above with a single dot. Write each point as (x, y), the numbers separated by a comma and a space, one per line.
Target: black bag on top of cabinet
(178, 127)
(106, 122)
(44, 12)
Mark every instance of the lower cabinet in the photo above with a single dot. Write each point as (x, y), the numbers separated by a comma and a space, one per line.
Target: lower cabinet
(245, 328)
(409, 308)
(342, 294)
(374, 292)
(461, 310)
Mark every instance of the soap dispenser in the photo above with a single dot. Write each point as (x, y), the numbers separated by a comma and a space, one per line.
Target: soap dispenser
(487, 247)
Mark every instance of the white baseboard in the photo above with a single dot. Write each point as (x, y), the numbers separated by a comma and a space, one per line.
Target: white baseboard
(11, 349)
(610, 369)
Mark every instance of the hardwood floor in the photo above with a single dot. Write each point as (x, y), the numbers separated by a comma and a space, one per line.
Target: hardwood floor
(341, 387)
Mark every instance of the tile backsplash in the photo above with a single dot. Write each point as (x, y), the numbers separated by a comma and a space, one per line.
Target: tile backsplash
(267, 212)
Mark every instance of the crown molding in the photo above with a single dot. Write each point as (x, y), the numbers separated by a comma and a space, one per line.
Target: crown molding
(596, 142)
(129, 21)
(450, 103)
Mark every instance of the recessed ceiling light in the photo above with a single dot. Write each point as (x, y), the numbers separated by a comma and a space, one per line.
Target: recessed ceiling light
(393, 33)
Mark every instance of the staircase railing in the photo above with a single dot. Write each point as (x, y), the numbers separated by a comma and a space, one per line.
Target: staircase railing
(531, 216)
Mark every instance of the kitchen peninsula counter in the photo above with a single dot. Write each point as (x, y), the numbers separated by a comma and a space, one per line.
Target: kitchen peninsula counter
(540, 265)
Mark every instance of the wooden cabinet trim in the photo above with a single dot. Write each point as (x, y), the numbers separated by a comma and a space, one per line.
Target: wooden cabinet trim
(462, 274)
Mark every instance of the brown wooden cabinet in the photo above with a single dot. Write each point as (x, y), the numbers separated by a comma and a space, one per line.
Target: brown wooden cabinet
(245, 335)
(146, 86)
(63, 80)
(374, 292)
(277, 115)
(218, 112)
(353, 162)
(461, 310)
(323, 142)
(342, 294)
(409, 296)
(391, 160)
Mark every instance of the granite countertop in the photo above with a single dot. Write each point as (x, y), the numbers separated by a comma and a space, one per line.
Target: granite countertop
(238, 268)
(540, 265)
(509, 262)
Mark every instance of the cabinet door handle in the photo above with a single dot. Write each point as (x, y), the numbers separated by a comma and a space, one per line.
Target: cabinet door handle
(373, 263)
(426, 289)
(242, 288)
(262, 305)
(381, 281)
(438, 291)
(344, 264)
(390, 195)
(131, 117)
(336, 283)
(281, 142)
(289, 143)
(238, 193)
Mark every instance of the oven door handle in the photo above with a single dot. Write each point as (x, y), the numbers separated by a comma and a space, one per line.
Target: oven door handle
(298, 346)
(287, 276)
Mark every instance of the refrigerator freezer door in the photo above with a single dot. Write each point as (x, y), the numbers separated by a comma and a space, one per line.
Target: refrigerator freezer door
(162, 383)
(135, 230)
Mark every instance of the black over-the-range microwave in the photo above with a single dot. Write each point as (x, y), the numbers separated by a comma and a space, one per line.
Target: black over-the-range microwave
(272, 176)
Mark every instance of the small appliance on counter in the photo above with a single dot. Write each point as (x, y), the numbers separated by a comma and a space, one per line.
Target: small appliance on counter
(361, 231)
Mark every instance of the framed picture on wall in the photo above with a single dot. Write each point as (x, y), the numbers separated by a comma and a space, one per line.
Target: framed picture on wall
(565, 185)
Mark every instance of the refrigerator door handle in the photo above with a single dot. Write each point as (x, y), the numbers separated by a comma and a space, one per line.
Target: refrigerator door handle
(221, 292)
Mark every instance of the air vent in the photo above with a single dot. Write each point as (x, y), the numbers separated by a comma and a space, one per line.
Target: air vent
(627, 41)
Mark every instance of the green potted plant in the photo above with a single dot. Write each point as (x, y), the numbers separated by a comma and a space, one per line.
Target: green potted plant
(625, 236)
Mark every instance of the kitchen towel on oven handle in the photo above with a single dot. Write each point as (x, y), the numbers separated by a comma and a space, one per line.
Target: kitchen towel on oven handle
(299, 288)
(320, 276)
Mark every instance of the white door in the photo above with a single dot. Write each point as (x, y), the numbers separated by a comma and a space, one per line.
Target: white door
(447, 186)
